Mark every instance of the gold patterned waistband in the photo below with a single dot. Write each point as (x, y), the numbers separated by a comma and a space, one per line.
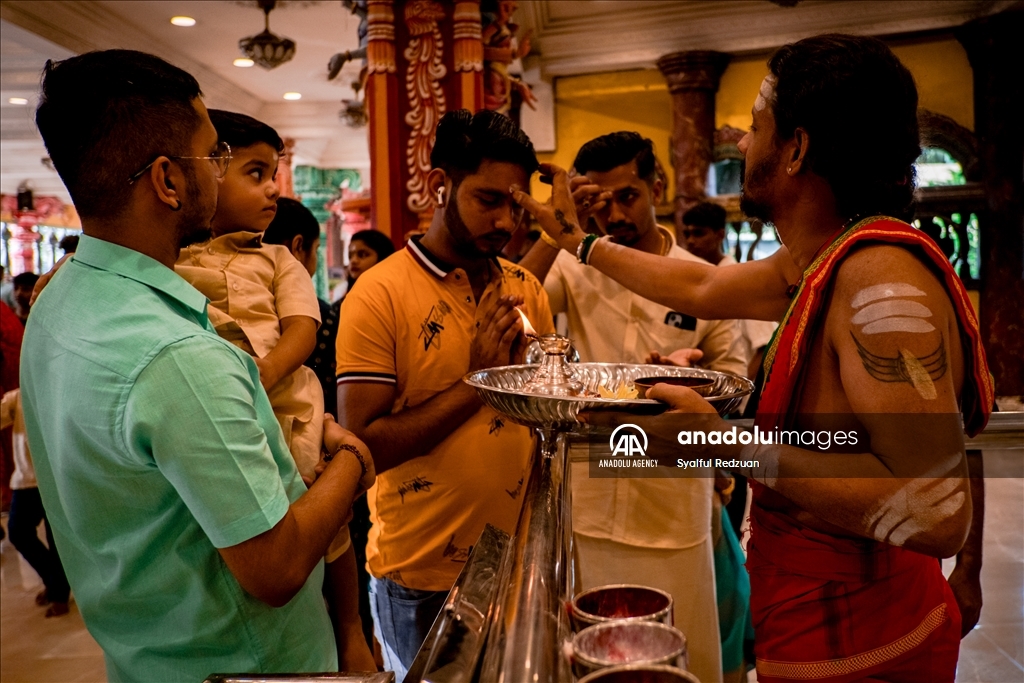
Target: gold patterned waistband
(865, 660)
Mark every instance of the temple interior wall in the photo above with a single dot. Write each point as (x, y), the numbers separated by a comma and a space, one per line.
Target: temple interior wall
(595, 104)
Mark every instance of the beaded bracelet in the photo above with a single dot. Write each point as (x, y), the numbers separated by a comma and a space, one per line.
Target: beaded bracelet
(583, 249)
(351, 449)
(586, 248)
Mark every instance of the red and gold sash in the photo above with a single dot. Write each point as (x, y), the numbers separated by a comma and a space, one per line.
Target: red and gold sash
(782, 359)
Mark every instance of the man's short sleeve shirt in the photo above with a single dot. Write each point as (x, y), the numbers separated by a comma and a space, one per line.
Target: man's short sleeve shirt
(409, 321)
(610, 324)
(154, 445)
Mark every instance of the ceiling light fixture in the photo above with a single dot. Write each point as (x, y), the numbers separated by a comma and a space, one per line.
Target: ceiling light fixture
(243, 62)
(183, 21)
(20, 101)
(265, 48)
(293, 96)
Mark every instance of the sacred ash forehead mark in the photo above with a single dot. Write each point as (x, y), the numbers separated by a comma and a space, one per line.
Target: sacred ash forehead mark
(766, 93)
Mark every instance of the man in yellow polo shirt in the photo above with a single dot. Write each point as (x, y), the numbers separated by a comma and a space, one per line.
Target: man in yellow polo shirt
(409, 330)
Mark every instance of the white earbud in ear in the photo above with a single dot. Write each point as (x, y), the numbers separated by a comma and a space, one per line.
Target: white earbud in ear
(440, 197)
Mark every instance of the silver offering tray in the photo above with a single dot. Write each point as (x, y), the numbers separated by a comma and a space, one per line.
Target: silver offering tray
(502, 389)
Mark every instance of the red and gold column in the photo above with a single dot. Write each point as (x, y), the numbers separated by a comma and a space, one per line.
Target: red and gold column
(424, 58)
(382, 109)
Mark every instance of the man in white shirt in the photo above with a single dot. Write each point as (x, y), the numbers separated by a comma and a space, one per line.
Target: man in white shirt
(651, 531)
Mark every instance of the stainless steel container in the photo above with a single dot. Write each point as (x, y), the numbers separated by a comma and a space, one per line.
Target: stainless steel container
(627, 642)
(503, 390)
(640, 673)
(620, 602)
(527, 615)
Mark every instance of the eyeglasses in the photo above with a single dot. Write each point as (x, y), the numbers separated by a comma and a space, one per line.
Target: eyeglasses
(220, 160)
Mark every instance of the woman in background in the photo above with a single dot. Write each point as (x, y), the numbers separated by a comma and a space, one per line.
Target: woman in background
(366, 249)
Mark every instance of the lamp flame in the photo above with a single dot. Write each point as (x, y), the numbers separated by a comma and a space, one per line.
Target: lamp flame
(528, 328)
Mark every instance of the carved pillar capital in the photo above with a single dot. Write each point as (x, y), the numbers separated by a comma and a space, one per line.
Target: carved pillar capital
(693, 70)
(469, 48)
(380, 35)
(468, 55)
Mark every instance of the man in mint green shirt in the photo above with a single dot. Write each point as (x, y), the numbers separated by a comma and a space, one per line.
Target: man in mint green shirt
(191, 544)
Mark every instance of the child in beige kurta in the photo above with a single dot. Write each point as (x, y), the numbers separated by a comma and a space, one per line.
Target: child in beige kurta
(251, 287)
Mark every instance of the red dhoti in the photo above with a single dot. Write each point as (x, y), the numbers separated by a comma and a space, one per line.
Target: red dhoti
(834, 609)
(838, 609)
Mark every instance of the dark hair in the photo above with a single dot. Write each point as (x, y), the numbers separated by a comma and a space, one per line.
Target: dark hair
(291, 219)
(706, 215)
(68, 244)
(858, 104)
(239, 130)
(616, 149)
(376, 240)
(105, 115)
(27, 279)
(464, 140)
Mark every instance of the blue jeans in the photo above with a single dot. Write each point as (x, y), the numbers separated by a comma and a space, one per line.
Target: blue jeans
(402, 617)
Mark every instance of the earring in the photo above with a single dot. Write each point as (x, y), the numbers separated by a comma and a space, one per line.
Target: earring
(176, 207)
(440, 197)
(789, 170)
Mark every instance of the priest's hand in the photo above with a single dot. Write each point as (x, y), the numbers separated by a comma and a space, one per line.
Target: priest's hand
(557, 217)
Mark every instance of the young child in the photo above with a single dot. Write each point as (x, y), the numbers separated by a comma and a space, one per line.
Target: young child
(261, 298)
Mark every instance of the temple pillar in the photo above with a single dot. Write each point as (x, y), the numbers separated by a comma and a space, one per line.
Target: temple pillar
(284, 169)
(993, 48)
(382, 107)
(424, 57)
(692, 82)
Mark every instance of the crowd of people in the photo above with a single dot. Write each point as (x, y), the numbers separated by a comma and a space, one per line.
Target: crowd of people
(241, 477)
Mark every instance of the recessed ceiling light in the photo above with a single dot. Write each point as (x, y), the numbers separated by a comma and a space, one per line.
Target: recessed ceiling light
(18, 100)
(293, 96)
(243, 62)
(183, 21)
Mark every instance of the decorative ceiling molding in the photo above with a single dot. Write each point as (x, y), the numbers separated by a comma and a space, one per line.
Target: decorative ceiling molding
(88, 25)
(585, 37)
